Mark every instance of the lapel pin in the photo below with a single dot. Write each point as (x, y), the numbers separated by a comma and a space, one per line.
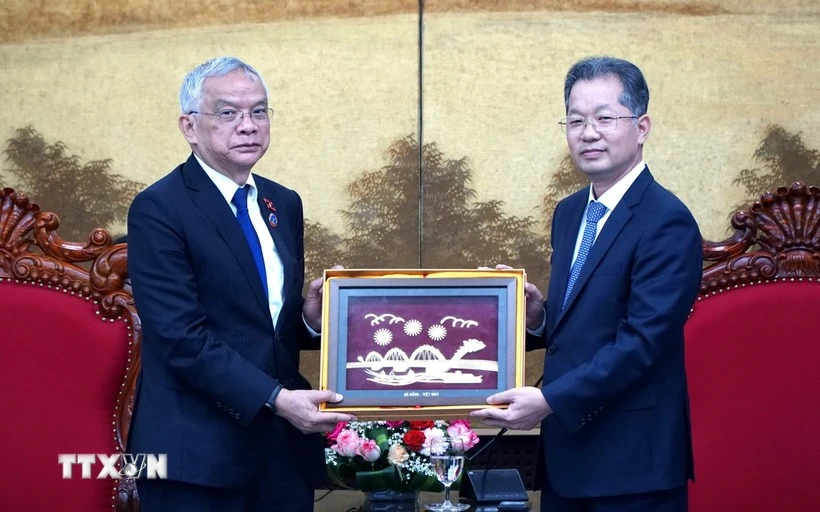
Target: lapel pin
(272, 220)
(269, 204)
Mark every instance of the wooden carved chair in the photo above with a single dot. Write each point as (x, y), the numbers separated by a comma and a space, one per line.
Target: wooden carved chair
(69, 348)
(752, 354)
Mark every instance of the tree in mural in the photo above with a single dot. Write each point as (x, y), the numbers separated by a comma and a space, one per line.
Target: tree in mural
(323, 249)
(86, 196)
(784, 159)
(383, 220)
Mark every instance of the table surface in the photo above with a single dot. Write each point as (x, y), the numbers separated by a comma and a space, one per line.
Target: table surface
(344, 501)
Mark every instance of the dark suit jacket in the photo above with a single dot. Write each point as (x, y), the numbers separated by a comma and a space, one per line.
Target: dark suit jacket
(210, 355)
(614, 366)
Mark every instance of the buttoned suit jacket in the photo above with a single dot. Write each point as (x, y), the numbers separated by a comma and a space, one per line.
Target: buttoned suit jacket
(211, 355)
(614, 363)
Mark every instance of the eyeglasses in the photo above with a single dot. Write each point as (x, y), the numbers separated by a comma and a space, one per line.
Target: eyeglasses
(575, 125)
(230, 115)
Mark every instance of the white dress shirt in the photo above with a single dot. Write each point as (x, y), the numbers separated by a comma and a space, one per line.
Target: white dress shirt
(274, 269)
(610, 199)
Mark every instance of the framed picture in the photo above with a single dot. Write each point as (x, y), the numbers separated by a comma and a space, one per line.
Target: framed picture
(421, 344)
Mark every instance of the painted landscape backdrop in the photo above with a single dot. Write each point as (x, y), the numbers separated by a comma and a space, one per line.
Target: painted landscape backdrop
(434, 151)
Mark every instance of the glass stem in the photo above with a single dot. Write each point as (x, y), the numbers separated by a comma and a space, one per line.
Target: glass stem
(447, 493)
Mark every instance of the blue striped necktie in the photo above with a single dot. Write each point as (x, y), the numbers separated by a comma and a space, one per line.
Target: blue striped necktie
(595, 212)
(240, 200)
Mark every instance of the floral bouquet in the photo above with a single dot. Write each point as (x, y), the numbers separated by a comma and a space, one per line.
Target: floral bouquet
(395, 455)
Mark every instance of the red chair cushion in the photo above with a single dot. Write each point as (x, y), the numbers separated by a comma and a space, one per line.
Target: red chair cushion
(61, 368)
(752, 357)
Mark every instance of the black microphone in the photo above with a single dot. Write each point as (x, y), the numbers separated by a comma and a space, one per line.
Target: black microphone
(488, 444)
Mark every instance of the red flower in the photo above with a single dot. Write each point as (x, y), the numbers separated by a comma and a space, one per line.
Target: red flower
(421, 424)
(331, 436)
(414, 440)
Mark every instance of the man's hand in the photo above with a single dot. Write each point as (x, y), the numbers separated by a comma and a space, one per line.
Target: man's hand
(527, 407)
(301, 408)
(535, 302)
(312, 309)
(535, 306)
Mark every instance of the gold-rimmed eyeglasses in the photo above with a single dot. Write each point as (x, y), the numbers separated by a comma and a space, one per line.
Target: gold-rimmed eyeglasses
(603, 123)
(232, 115)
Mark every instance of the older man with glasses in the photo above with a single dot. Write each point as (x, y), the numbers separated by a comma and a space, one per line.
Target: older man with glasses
(216, 259)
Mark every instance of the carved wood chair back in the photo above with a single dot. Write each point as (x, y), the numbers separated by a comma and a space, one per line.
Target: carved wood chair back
(752, 350)
(69, 359)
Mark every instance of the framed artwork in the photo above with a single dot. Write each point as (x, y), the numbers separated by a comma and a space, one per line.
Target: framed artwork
(421, 344)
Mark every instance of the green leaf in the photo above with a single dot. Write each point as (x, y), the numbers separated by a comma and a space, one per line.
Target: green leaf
(381, 437)
(387, 478)
(390, 478)
(342, 475)
(421, 482)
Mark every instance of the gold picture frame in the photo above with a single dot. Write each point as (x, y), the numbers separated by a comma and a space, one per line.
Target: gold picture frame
(420, 344)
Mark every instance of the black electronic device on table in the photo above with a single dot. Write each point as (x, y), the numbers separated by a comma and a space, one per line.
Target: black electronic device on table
(513, 506)
(495, 490)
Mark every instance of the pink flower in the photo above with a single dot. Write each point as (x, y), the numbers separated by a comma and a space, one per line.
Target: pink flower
(331, 436)
(347, 443)
(369, 450)
(466, 423)
(434, 442)
(394, 424)
(459, 431)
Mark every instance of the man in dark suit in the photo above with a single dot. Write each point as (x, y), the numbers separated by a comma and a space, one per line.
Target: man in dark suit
(215, 255)
(626, 266)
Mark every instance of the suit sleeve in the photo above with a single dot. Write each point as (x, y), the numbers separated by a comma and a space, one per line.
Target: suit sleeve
(310, 339)
(664, 281)
(535, 341)
(539, 341)
(175, 323)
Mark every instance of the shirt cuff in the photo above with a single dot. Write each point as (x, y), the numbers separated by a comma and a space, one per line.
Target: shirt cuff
(538, 331)
(309, 328)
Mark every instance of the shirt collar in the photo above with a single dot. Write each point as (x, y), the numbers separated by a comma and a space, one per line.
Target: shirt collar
(616, 192)
(227, 187)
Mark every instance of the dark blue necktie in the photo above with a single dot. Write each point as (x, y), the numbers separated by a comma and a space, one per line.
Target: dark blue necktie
(240, 200)
(595, 212)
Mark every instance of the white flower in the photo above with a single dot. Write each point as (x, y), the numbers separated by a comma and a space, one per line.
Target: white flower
(397, 455)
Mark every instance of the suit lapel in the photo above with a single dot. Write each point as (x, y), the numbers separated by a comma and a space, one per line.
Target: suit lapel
(213, 206)
(564, 246)
(277, 208)
(609, 234)
(614, 225)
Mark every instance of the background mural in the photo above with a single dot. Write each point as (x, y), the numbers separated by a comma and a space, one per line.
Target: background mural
(418, 133)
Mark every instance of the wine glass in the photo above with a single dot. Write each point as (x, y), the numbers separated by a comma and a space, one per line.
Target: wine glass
(447, 458)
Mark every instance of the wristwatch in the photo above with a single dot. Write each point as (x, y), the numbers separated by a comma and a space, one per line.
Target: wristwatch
(270, 403)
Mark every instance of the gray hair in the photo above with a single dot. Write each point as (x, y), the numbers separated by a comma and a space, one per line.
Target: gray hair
(636, 93)
(190, 95)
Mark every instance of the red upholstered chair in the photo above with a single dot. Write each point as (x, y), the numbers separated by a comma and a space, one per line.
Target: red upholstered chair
(752, 355)
(69, 346)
